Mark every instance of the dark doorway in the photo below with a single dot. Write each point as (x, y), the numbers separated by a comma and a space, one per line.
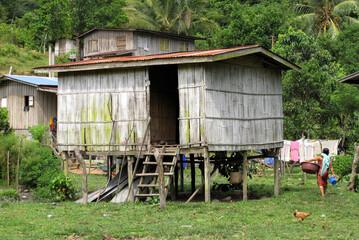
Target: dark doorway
(164, 104)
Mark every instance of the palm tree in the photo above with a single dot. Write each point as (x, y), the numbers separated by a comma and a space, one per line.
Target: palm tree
(176, 16)
(327, 15)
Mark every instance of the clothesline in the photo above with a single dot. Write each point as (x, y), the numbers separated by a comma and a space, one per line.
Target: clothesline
(304, 149)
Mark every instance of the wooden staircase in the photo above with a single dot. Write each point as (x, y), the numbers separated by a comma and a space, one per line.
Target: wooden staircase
(159, 173)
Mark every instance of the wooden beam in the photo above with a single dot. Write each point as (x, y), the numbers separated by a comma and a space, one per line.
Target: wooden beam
(161, 178)
(84, 176)
(207, 177)
(276, 174)
(131, 195)
(193, 173)
(245, 173)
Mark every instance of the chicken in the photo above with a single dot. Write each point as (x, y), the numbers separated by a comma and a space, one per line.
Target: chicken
(301, 215)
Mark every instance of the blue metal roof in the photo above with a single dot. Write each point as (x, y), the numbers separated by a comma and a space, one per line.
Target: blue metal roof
(35, 80)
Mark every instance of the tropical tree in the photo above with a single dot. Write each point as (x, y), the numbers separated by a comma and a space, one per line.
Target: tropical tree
(326, 16)
(176, 16)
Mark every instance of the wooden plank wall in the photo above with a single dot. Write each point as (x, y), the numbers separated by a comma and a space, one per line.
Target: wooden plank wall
(45, 105)
(89, 103)
(107, 42)
(192, 103)
(243, 107)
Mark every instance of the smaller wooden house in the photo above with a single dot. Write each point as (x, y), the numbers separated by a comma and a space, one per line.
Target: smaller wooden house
(30, 100)
(106, 42)
(65, 46)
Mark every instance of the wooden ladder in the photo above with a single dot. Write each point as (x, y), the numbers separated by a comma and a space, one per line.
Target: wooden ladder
(152, 179)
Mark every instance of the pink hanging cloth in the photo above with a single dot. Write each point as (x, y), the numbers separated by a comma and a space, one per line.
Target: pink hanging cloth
(294, 151)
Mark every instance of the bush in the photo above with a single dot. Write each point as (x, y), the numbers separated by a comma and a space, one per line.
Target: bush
(343, 164)
(40, 132)
(4, 121)
(62, 188)
(9, 194)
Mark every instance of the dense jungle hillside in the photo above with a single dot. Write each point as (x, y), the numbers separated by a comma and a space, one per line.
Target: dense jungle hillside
(320, 36)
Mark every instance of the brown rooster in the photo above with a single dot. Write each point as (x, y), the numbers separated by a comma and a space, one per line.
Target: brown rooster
(301, 215)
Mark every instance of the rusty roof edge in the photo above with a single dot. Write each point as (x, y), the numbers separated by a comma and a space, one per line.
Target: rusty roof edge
(256, 49)
(128, 64)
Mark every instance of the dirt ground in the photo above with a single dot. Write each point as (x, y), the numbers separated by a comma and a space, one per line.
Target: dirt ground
(94, 170)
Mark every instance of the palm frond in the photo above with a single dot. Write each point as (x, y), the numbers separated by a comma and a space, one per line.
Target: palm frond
(303, 8)
(333, 30)
(346, 7)
(350, 20)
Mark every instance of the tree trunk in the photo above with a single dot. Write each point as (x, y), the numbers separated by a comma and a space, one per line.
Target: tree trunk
(353, 176)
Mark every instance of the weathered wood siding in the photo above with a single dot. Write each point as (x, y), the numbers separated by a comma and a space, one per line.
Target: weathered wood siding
(107, 42)
(243, 107)
(45, 105)
(192, 103)
(154, 44)
(95, 105)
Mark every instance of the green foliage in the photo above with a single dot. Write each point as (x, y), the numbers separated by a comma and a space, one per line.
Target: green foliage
(9, 194)
(227, 164)
(153, 200)
(39, 166)
(62, 188)
(8, 147)
(40, 132)
(343, 164)
(4, 121)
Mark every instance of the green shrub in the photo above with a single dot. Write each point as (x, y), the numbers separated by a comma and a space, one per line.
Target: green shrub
(4, 121)
(62, 188)
(40, 132)
(343, 164)
(9, 194)
(38, 165)
(8, 144)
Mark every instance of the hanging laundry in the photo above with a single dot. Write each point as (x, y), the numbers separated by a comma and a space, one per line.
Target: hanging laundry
(294, 151)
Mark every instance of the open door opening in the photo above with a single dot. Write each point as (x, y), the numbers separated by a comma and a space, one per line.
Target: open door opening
(164, 104)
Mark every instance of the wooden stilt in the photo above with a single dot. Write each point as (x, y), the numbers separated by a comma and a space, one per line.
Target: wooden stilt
(90, 162)
(276, 175)
(245, 173)
(207, 177)
(65, 163)
(193, 173)
(161, 179)
(131, 196)
(117, 164)
(84, 176)
(182, 173)
(176, 180)
(109, 167)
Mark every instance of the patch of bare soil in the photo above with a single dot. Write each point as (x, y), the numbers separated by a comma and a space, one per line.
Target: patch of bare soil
(94, 170)
(25, 195)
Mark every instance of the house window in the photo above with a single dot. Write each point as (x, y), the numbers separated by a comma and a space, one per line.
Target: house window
(29, 102)
(121, 42)
(93, 45)
(164, 45)
(4, 102)
(184, 46)
(142, 42)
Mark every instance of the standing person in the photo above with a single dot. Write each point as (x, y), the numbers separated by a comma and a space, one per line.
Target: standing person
(324, 163)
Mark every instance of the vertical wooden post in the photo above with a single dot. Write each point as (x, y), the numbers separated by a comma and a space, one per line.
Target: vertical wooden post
(193, 173)
(18, 166)
(245, 174)
(161, 179)
(131, 196)
(8, 169)
(109, 166)
(276, 175)
(65, 165)
(117, 164)
(84, 176)
(176, 180)
(207, 177)
(182, 172)
(90, 162)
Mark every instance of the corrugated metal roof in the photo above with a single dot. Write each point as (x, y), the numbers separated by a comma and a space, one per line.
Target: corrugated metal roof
(34, 80)
(351, 78)
(202, 53)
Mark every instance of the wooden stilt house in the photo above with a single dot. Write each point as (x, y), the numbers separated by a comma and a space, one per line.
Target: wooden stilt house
(199, 102)
(30, 100)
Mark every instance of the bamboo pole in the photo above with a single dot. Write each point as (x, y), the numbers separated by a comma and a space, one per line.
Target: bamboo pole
(245, 174)
(18, 166)
(8, 169)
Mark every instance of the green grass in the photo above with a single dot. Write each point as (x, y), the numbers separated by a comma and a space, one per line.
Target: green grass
(268, 218)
